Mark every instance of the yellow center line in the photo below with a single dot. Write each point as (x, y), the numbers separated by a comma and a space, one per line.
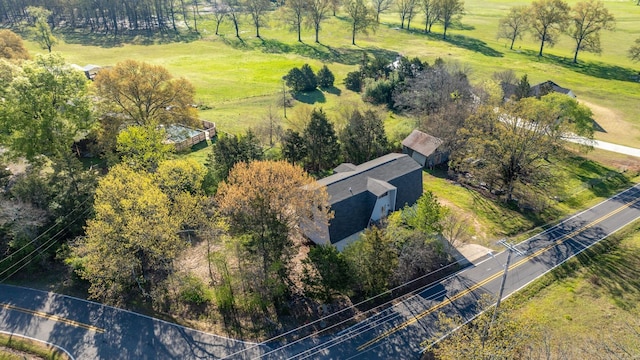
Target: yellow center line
(491, 278)
(53, 317)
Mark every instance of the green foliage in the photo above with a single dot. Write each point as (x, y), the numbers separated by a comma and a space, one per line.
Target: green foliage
(132, 242)
(294, 148)
(12, 46)
(42, 30)
(426, 215)
(45, 108)
(143, 147)
(180, 176)
(523, 89)
(228, 151)
(379, 92)
(373, 259)
(363, 138)
(326, 272)
(301, 79)
(325, 77)
(322, 143)
(353, 81)
(194, 291)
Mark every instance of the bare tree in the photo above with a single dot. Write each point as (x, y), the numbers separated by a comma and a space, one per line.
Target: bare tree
(317, 13)
(548, 18)
(234, 12)
(449, 10)
(294, 15)
(257, 10)
(361, 17)
(588, 19)
(405, 10)
(220, 11)
(431, 14)
(381, 6)
(514, 25)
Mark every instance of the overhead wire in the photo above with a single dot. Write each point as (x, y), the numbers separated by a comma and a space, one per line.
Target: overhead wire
(315, 333)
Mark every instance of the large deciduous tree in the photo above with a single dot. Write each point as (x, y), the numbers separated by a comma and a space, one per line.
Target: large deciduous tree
(42, 30)
(405, 9)
(361, 17)
(143, 147)
(130, 245)
(548, 19)
(294, 14)
(514, 25)
(449, 11)
(431, 14)
(587, 19)
(12, 46)
(363, 138)
(266, 202)
(317, 13)
(323, 149)
(257, 10)
(45, 107)
(380, 6)
(146, 94)
(506, 147)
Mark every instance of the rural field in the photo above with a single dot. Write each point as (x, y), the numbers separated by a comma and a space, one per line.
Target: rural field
(239, 82)
(241, 79)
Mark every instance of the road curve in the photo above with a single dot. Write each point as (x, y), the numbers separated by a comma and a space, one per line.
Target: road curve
(88, 330)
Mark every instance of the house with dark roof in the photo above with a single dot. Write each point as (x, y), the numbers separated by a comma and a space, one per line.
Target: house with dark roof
(548, 87)
(425, 149)
(361, 195)
(537, 90)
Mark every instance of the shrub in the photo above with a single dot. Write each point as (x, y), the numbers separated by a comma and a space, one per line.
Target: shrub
(379, 92)
(194, 291)
(353, 81)
(325, 77)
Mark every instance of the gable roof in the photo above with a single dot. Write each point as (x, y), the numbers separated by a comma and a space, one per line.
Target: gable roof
(422, 143)
(385, 168)
(536, 89)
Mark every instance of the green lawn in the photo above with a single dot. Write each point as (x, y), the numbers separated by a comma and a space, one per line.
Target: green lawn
(597, 290)
(241, 79)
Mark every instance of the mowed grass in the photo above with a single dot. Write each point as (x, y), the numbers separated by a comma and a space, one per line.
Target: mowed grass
(599, 289)
(241, 79)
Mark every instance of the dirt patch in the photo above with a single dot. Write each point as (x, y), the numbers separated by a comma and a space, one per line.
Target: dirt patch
(614, 127)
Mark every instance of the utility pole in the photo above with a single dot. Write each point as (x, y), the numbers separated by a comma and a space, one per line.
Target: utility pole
(284, 98)
(511, 249)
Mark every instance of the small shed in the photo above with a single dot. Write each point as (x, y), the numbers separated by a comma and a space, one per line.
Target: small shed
(425, 149)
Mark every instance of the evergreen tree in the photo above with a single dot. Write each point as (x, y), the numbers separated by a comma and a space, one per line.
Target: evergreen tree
(311, 80)
(363, 138)
(325, 77)
(322, 143)
(293, 146)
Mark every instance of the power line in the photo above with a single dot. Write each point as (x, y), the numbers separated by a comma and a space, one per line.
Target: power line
(50, 243)
(46, 231)
(341, 311)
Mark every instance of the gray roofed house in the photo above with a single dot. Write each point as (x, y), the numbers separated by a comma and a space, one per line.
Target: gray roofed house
(537, 90)
(425, 149)
(362, 195)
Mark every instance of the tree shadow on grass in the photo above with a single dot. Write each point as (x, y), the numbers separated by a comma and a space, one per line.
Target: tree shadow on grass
(311, 97)
(317, 51)
(591, 68)
(142, 37)
(333, 90)
(461, 41)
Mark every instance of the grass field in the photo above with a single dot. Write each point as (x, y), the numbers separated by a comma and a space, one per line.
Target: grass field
(241, 79)
(597, 290)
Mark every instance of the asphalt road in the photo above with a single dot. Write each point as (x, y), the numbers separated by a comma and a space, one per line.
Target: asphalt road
(89, 330)
(398, 332)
